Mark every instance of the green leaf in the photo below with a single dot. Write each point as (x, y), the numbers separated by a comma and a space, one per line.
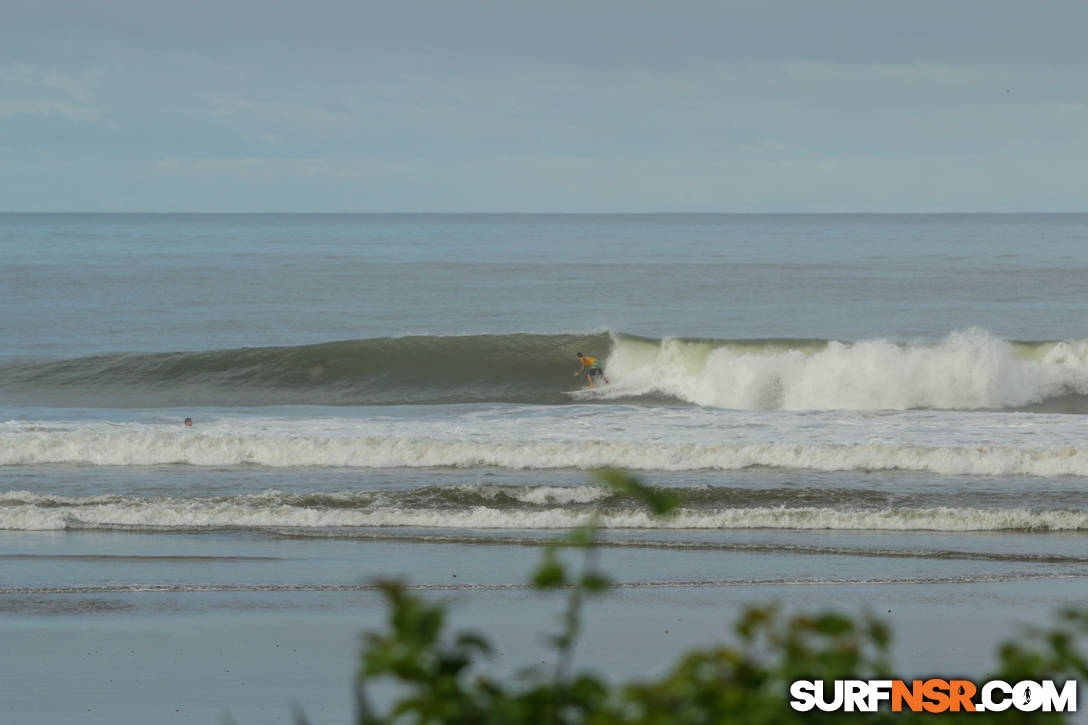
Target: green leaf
(550, 575)
(595, 582)
(660, 502)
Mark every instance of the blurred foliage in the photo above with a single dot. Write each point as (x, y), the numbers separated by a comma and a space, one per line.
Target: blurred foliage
(439, 677)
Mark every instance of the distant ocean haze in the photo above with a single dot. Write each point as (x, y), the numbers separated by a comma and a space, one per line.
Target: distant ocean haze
(85, 284)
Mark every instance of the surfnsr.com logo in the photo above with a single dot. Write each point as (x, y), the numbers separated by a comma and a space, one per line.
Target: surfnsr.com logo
(933, 695)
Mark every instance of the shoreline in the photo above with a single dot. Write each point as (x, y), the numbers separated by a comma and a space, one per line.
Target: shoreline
(256, 659)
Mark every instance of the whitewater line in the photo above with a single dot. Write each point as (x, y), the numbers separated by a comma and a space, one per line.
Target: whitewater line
(156, 448)
(680, 584)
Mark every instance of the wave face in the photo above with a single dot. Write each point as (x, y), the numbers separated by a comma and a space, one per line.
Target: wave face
(488, 506)
(519, 368)
(968, 370)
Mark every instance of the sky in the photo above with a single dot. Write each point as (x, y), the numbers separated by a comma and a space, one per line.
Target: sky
(557, 106)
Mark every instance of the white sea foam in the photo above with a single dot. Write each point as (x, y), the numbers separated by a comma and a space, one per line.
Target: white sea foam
(273, 510)
(541, 495)
(968, 370)
(155, 447)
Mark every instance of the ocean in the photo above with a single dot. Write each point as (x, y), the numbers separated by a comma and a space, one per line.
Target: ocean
(882, 413)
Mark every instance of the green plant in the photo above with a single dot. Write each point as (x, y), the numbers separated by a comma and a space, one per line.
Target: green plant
(438, 678)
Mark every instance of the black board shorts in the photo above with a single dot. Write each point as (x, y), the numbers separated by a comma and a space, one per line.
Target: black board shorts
(594, 372)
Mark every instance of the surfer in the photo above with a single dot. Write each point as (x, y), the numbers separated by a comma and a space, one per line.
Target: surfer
(592, 367)
(188, 422)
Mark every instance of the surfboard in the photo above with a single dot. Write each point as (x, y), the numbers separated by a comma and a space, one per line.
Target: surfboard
(583, 392)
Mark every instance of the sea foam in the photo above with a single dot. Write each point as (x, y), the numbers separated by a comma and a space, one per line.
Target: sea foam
(153, 446)
(968, 370)
(272, 510)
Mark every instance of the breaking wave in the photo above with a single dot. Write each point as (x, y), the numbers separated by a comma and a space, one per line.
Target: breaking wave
(967, 370)
(505, 507)
(153, 446)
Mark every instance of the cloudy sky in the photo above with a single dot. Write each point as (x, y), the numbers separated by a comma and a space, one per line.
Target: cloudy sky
(504, 105)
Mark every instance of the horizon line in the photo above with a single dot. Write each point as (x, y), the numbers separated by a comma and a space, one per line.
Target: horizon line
(546, 213)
